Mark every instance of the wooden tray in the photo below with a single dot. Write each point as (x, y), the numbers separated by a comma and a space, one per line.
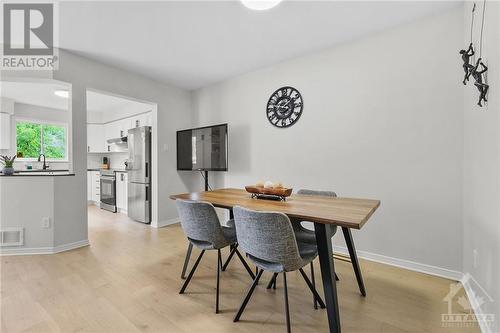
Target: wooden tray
(269, 193)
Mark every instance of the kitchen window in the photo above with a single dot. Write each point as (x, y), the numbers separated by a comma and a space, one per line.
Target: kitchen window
(34, 138)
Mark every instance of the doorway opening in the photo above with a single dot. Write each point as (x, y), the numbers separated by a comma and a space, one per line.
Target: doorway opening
(121, 157)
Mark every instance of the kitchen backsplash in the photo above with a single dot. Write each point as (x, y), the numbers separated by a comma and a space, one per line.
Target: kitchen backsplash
(117, 160)
(22, 165)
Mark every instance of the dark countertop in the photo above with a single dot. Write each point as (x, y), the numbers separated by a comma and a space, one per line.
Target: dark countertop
(115, 170)
(39, 173)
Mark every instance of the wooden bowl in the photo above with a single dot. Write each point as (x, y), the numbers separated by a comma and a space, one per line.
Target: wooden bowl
(280, 192)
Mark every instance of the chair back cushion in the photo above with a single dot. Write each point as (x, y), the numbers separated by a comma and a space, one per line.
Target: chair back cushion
(304, 233)
(267, 237)
(318, 193)
(201, 224)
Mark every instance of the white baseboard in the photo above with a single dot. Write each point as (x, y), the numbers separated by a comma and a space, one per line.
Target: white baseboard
(71, 246)
(43, 250)
(476, 297)
(402, 263)
(162, 224)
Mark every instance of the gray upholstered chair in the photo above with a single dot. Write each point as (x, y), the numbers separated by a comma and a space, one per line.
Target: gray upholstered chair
(308, 236)
(304, 235)
(204, 231)
(269, 242)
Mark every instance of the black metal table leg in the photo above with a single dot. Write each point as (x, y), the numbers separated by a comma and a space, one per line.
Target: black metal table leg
(186, 261)
(219, 265)
(354, 259)
(324, 242)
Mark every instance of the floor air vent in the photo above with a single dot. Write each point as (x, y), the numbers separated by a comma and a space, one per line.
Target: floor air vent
(11, 236)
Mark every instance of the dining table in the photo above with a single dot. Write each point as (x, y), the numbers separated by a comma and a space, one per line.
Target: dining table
(348, 213)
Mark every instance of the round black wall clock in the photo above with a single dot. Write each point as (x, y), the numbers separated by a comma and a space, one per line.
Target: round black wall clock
(284, 107)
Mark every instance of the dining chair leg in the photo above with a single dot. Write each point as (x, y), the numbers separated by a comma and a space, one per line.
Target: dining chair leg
(336, 277)
(219, 265)
(272, 282)
(248, 295)
(184, 286)
(186, 261)
(243, 261)
(315, 302)
(219, 258)
(287, 308)
(231, 254)
(316, 296)
(354, 259)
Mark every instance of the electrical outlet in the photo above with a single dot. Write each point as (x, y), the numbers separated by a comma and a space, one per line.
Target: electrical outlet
(45, 222)
(475, 257)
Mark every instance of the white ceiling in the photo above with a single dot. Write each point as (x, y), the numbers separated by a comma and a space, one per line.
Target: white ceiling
(41, 94)
(192, 44)
(100, 102)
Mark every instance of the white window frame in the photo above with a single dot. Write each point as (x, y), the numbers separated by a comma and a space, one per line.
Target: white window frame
(42, 122)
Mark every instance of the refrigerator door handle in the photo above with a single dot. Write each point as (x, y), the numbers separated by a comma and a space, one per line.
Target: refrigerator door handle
(147, 191)
(147, 172)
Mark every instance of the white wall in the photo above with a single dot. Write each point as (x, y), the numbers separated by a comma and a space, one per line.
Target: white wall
(16, 193)
(481, 195)
(382, 119)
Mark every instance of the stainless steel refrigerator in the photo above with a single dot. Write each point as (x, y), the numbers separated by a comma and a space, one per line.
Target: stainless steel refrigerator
(139, 174)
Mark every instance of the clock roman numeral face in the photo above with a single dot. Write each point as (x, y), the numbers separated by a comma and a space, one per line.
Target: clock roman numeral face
(284, 107)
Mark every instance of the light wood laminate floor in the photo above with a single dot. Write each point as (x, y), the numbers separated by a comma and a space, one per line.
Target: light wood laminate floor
(127, 280)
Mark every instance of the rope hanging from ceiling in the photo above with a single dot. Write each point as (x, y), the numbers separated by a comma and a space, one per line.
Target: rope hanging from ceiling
(479, 69)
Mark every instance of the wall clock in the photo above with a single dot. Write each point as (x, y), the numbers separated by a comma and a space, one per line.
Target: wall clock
(284, 107)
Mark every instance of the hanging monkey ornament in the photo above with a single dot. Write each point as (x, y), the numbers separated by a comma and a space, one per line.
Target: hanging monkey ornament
(479, 69)
(466, 55)
(477, 74)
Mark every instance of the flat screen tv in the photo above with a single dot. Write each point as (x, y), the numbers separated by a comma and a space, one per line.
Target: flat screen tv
(202, 148)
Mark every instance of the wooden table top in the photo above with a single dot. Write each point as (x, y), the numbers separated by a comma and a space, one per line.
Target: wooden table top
(344, 212)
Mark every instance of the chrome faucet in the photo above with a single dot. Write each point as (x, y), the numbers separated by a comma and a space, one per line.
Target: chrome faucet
(45, 166)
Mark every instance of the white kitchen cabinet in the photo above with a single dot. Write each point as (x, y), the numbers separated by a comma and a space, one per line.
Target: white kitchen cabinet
(113, 130)
(148, 118)
(4, 131)
(99, 134)
(95, 138)
(121, 191)
(123, 126)
(141, 120)
(96, 186)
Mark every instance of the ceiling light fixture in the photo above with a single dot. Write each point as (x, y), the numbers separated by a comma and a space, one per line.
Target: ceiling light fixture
(260, 4)
(61, 93)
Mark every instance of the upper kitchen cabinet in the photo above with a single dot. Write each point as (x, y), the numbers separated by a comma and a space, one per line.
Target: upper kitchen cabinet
(6, 112)
(4, 131)
(117, 129)
(95, 138)
(141, 120)
(123, 126)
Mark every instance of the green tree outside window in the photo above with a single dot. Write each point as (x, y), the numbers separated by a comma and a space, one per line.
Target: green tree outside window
(34, 139)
